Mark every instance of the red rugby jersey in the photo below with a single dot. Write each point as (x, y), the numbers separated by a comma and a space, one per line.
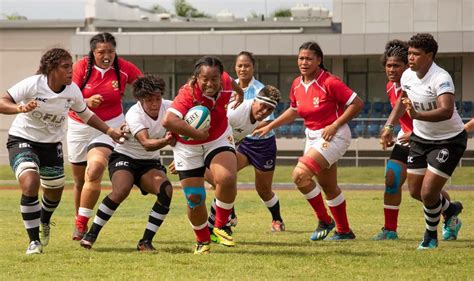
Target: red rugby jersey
(321, 101)
(106, 86)
(394, 91)
(188, 98)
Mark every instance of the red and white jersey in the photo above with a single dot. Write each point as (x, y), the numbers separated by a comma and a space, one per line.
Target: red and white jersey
(321, 101)
(104, 82)
(394, 91)
(217, 105)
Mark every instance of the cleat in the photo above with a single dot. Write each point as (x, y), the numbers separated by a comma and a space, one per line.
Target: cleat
(45, 233)
(202, 248)
(77, 235)
(88, 240)
(145, 246)
(34, 248)
(341, 236)
(428, 244)
(278, 226)
(452, 225)
(224, 235)
(322, 230)
(386, 235)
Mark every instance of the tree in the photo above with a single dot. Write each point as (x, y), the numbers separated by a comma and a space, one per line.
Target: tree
(184, 9)
(14, 16)
(282, 13)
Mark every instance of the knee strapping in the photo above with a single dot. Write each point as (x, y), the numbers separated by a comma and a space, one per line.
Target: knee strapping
(166, 192)
(311, 164)
(301, 178)
(53, 182)
(393, 175)
(25, 166)
(195, 196)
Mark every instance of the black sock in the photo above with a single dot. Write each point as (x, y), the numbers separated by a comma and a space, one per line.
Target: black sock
(31, 212)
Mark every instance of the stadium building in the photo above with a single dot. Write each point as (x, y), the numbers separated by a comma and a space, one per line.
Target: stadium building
(352, 37)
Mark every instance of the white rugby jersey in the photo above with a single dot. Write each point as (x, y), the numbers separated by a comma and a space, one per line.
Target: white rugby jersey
(423, 93)
(239, 119)
(47, 122)
(249, 94)
(138, 120)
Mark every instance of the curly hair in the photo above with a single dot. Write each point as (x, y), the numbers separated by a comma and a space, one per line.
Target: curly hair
(148, 85)
(51, 60)
(104, 37)
(395, 48)
(313, 46)
(424, 41)
(270, 93)
(205, 61)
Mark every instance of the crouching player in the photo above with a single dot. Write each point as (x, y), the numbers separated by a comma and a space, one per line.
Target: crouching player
(137, 161)
(244, 120)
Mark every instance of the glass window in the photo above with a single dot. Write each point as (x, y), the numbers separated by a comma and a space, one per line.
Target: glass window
(358, 83)
(158, 64)
(356, 65)
(376, 86)
(269, 65)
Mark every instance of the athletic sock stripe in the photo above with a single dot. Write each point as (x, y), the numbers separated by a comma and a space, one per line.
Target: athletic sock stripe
(313, 193)
(30, 209)
(160, 209)
(31, 223)
(391, 207)
(31, 216)
(431, 228)
(432, 220)
(106, 210)
(152, 227)
(103, 215)
(198, 227)
(99, 221)
(336, 201)
(155, 221)
(432, 211)
(157, 215)
(272, 202)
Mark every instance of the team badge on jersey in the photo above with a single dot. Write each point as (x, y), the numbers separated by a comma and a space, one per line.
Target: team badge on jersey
(443, 155)
(316, 102)
(115, 84)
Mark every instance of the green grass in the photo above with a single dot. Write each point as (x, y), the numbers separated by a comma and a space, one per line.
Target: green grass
(259, 253)
(361, 175)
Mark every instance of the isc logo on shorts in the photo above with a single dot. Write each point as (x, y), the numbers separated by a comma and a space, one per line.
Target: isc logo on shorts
(24, 145)
(122, 164)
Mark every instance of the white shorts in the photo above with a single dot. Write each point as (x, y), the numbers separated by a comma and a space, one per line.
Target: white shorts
(193, 156)
(333, 150)
(80, 137)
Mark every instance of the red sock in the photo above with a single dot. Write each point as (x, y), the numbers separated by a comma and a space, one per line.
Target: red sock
(202, 235)
(338, 210)
(391, 217)
(223, 211)
(317, 203)
(81, 222)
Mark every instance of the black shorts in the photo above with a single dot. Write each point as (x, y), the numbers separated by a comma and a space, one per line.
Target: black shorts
(261, 153)
(137, 167)
(47, 156)
(400, 153)
(442, 155)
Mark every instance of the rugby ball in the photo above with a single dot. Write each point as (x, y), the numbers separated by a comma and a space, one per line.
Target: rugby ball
(197, 117)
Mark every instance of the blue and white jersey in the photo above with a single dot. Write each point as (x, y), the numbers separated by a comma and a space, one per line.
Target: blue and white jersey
(249, 94)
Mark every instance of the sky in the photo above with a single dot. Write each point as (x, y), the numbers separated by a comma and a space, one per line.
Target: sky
(74, 9)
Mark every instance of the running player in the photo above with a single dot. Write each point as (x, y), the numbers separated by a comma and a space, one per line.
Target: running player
(137, 161)
(34, 144)
(102, 77)
(244, 120)
(326, 104)
(438, 140)
(211, 148)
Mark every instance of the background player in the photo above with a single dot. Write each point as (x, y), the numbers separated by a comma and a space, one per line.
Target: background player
(326, 104)
(102, 77)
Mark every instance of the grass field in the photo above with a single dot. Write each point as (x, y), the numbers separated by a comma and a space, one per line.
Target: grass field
(259, 253)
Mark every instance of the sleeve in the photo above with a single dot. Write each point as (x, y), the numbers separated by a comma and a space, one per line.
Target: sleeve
(79, 71)
(182, 102)
(342, 93)
(79, 104)
(226, 81)
(24, 89)
(132, 71)
(133, 119)
(444, 84)
(403, 80)
(292, 96)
